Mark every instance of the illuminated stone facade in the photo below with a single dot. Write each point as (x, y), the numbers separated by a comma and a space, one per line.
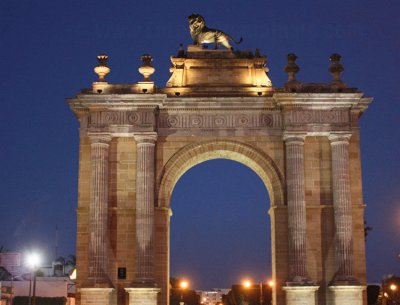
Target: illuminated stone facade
(303, 140)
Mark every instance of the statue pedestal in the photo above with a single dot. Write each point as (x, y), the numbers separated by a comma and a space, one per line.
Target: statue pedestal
(98, 296)
(300, 295)
(142, 296)
(348, 295)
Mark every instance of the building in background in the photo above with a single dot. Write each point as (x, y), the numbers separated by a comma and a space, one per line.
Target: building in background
(212, 297)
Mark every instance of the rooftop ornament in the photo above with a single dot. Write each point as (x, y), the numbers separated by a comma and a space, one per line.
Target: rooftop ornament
(146, 69)
(291, 68)
(102, 68)
(202, 34)
(336, 68)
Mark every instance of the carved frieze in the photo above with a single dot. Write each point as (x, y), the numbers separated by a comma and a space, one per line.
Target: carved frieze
(134, 118)
(296, 117)
(219, 120)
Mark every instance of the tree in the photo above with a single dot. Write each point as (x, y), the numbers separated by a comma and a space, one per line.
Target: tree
(71, 260)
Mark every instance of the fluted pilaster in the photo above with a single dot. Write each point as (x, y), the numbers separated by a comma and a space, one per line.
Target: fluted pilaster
(98, 210)
(296, 208)
(342, 208)
(145, 187)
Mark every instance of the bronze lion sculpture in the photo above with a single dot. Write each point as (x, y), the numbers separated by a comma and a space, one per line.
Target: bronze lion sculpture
(202, 34)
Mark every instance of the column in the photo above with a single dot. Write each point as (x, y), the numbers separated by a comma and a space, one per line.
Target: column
(299, 289)
(144, 291)
(342, 208)
(145, 187)
(98, 210)
(345, 288)
(296, 206)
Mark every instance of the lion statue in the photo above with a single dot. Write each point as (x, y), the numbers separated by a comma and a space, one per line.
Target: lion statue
(202, 34)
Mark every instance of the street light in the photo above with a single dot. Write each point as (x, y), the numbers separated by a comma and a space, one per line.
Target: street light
(182, 285)
(33, 260)
(247, 284)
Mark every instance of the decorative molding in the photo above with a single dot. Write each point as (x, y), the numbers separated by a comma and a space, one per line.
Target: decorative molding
(339, 138)
(145, 138)
(134, 118)
(219, 120)
(292, 117)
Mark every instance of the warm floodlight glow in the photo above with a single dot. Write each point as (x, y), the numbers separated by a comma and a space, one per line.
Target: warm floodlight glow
(271, 283)
(393, 287)
(33, 260)
(72, 277)
(246, 284)
(184, 284)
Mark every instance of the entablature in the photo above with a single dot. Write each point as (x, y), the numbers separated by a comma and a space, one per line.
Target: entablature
(314, 113)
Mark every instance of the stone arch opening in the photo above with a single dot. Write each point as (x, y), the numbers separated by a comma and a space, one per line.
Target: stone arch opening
(220, 220)
(194, 154)
(246, 154)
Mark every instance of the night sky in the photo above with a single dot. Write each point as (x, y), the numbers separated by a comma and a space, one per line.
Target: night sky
(220, 227)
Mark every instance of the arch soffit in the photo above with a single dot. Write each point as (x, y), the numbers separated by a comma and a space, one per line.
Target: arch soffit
(193, 154)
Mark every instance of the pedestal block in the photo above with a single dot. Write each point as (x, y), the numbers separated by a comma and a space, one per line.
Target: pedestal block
(346, 295)
(301, 295)
(142, 296)
(97, 296)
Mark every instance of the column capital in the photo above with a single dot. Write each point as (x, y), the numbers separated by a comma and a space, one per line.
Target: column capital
(339, 138)
(294, 137)
(99, 138)
(145, 137)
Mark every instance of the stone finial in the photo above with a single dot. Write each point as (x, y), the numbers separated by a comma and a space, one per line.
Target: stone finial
(257, 53)
(336, 68)
(291, 68)
(146, 69)
(181, 51)
(102, 68)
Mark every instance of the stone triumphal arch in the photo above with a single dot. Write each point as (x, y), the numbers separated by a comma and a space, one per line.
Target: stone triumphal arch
(302, 140)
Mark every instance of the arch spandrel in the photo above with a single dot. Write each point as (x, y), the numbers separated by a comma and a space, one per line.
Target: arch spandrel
(193, 154)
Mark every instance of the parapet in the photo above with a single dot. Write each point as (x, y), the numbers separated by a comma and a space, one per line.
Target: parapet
(201, 72)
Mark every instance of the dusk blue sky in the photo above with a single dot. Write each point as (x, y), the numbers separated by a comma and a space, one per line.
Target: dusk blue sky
(220, 228)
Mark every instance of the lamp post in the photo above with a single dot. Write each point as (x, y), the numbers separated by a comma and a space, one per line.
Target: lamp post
(393, 290)
(247, 284)
(33, 260)
(183, 285)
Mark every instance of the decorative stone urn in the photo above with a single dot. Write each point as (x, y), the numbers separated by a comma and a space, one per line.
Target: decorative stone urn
(102, 68)
(146, 69)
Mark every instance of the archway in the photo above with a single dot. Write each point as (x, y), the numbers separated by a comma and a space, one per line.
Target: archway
(250, 156)
(220, 227)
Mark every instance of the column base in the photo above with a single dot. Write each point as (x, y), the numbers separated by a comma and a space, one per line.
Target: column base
(98, 296)
(349, 295)
(142, 296)
(301, 295)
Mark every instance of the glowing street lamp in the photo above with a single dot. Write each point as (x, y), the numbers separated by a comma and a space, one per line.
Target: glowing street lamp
(393, 287)
(183, 285)
(33, 261)
(246, 284)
